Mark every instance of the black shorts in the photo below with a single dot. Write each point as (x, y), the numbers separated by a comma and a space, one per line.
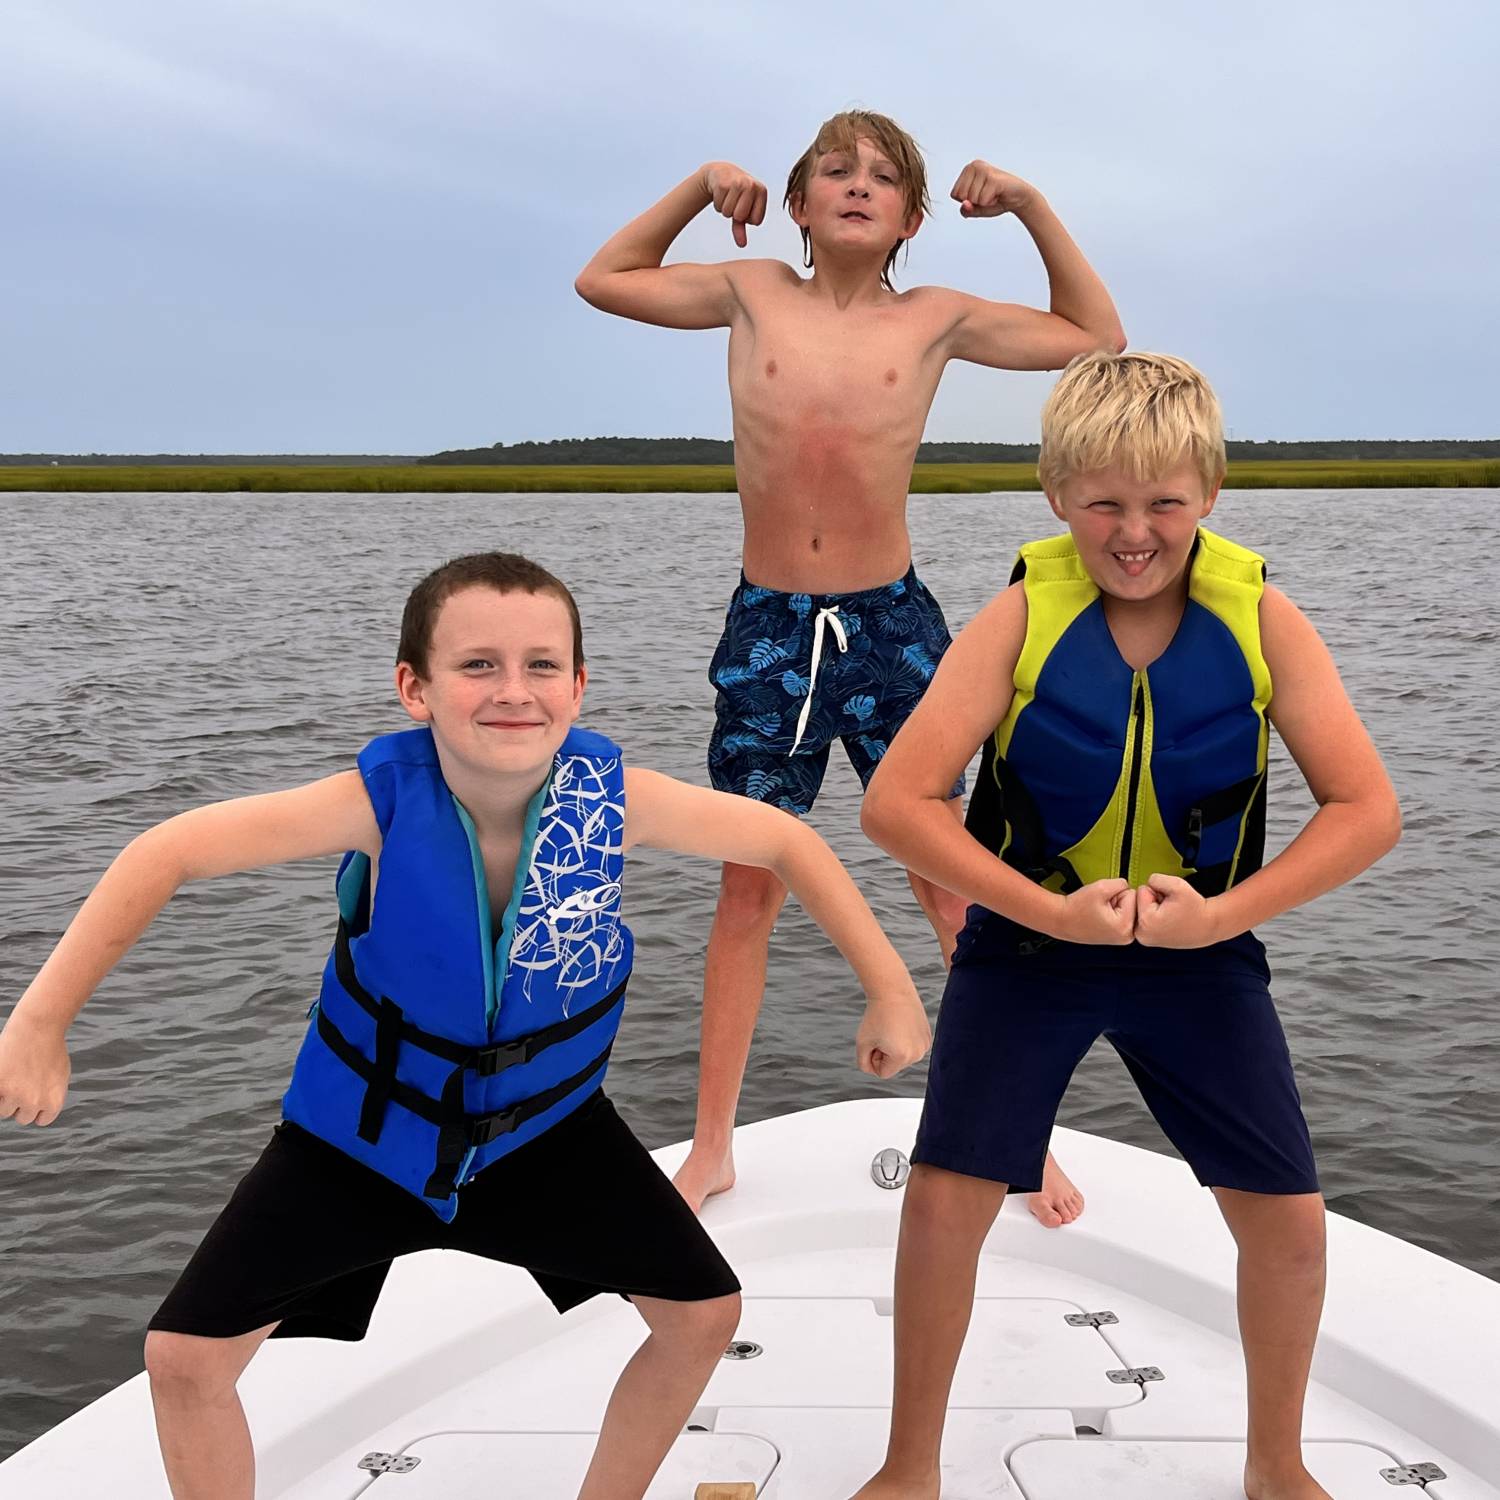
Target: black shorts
(309, 1235)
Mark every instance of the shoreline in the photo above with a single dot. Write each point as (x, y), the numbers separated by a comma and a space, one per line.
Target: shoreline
(927, 479)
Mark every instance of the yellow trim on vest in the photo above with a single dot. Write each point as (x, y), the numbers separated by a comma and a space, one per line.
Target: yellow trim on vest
(1227, 580)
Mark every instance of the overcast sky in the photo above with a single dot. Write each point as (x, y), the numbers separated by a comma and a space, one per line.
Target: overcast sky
(353, 225)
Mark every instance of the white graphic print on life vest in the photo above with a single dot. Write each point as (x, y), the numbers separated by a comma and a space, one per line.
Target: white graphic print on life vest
(568, 922)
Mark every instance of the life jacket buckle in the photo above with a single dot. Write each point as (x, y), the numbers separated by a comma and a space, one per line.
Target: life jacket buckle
(491, 1127)
(496, 1059)
(1194, 836)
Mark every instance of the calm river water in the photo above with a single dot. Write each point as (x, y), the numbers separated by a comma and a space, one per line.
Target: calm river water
(166, 650)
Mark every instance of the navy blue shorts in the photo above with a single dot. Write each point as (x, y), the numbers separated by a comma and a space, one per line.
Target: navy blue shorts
(1196, 1027)
(877, 650)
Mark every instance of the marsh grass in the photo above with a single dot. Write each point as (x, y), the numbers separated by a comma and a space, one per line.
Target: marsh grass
(964, 479)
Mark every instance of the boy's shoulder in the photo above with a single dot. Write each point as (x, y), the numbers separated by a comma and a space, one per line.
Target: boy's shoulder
(762, 271)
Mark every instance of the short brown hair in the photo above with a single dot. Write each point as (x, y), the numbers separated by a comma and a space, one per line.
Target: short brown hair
(842, 133)
(505, 572)
(1148, 412)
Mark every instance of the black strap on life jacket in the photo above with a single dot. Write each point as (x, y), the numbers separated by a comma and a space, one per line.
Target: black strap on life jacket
(1228, 802)
(1246, 800)
(392, 1029)
(458, 1131)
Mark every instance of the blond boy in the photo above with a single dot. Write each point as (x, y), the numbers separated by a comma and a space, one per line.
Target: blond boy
(830, 635)
(1122, 688)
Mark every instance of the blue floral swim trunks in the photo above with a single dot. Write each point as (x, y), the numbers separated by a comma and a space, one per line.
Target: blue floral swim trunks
(797, 671)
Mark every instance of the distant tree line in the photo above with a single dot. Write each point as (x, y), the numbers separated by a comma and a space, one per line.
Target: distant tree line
(621, 450)
(659, 451)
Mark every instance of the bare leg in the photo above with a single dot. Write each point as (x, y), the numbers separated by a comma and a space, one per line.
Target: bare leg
(656, 1392)
(734, 980)
(200, 1424)
(944, 1220)
(1058, 1202)
(1282, 1269)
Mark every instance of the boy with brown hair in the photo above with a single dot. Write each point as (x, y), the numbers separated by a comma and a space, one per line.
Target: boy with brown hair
(448, 1093)
(1122, 689)
(830, 633)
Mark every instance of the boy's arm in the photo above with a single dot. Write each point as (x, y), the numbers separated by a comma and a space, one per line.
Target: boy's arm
(905, 809)
(1358, 818)
(669, 814)
(325, 817)
(1010, 337)
(627, 277)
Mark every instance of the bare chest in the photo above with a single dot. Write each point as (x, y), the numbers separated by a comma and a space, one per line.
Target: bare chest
(838, 368)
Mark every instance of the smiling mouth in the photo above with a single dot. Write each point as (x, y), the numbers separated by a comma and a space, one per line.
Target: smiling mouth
(1136, 557)
(854, 213)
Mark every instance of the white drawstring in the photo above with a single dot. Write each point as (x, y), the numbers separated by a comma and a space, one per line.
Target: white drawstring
(829, 617)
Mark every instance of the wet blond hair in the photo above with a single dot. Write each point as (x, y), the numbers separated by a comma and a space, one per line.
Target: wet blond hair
(1146, 412)
(842, 133)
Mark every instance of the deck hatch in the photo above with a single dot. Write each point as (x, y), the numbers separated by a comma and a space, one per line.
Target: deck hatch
(1181, 1468)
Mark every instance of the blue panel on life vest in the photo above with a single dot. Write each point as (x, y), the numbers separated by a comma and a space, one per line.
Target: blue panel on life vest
(1067, 745)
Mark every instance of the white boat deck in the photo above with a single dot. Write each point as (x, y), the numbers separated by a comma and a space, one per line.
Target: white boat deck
(469, 1372)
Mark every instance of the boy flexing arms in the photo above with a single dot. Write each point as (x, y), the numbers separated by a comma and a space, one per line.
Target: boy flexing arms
(831, 376)
(1122, 688)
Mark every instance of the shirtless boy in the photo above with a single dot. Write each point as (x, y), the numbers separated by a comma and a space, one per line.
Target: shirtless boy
(830, 633)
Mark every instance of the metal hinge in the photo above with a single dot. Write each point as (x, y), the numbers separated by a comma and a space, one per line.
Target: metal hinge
(388, 1463)
(1089, 1320)
(1137, 1376)
(1422, 1474)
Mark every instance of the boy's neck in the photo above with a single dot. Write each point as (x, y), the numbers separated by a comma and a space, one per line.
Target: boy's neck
(495, 803)
(845, 283)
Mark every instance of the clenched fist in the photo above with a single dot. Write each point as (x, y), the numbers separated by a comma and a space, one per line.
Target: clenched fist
(736, 194)
(983, 192)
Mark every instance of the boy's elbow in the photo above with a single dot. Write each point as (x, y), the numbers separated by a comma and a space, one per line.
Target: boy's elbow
(1110, 340)
(159, 855)
(1392, 825)
(587, 287)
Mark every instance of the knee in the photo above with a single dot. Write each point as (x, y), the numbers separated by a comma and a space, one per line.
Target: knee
(181, 1368)
(704, 1329)
(949, 1207)
(749, 899)
(1293, 1245)
(717, 1320)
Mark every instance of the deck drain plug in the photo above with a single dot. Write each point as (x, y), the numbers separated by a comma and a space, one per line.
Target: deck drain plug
(890, 1169)
(743, 1349)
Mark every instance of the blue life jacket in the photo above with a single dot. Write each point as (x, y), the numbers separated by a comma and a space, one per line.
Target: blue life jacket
(1098, 770)
(438, 1045)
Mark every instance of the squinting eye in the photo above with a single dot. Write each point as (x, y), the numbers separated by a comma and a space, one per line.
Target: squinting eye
(545, 665)
(478, 661)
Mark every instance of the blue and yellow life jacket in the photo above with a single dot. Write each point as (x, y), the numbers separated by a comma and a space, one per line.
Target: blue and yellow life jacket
(1100, 771)
(438, 1045)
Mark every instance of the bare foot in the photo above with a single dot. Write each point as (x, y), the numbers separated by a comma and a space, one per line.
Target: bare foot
(1296, 1484)
(1059, 1202)
(703, 1174)
(884, 1487)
